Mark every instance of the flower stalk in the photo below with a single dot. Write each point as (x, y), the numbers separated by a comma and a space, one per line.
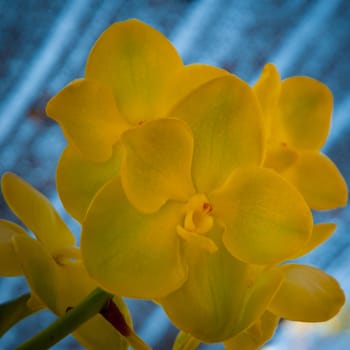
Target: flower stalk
(66, 324)
(14, 311)
(98, 301)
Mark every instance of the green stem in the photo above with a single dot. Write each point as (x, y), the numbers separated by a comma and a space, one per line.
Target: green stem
(14, 311)
(66, 324)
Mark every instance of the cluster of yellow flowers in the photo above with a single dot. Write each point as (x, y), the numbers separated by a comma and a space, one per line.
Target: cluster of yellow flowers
(192, 188)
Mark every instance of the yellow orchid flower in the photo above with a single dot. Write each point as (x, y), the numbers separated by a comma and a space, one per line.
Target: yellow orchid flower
(297, 114)
(166, 169)
(196, 224)
(133, 75)
(51, 263)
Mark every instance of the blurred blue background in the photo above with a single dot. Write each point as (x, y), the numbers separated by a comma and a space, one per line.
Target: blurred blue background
(44, 45)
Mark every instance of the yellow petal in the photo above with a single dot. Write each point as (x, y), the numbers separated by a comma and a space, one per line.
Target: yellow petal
(304, 109)
(267, 90)
(318, 180)
(266, 219)
(9, 264)
(201, 241)
(157, 164)
(137, 62)
(89, 117)
(40, 270)
(79, 179)
(130, 253)
(226, 122)
(259, 296)
(187, 79)
(221, 296)
(256, 335)
(320, 233)
(185, 341)
(59, 287)
(36, 212)
(307, 294)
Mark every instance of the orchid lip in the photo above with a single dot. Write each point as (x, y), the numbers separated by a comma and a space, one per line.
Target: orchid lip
(198, 221)
(198, 216)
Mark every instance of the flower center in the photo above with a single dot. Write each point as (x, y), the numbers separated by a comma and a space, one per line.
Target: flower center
(197, 217)
(197, 222)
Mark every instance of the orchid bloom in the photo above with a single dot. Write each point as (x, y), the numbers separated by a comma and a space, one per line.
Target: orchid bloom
(166, 169)
(133, 75)
(195, 223)
(51, 263)
(297, 113)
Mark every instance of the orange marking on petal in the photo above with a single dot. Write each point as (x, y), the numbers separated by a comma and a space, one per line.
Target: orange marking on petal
(207, 207)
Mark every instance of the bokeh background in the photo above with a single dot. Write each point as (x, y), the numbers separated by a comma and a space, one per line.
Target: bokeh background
(44, 45)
